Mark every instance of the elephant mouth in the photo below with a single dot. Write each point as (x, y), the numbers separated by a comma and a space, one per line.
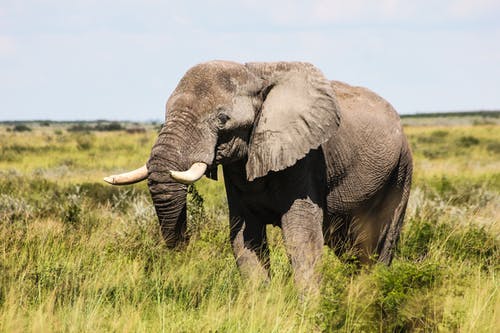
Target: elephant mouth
(231, 149)
(212, 172)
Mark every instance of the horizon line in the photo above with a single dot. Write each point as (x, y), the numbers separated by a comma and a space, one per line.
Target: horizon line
(417, 113)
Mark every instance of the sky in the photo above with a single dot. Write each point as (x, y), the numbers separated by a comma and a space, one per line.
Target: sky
(120, 60)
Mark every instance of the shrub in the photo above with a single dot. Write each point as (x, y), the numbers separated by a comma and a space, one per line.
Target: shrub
(84, 142)
(14, 209)
(21, 128)
(115, 126)
(396, 285)
(80, 128)
(99, 193)
(493, 147)
(467, 141)
(437, 136)
(196, 210)
(71, 208)
(474, 243)
(333, 311)
(417, 239)
(435, 152)
(460, 190)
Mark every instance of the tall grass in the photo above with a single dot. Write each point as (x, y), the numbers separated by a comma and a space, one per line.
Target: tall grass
(78, 255)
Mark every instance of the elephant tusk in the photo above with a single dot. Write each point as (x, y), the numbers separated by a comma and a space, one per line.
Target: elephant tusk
(195, 172)
(129, 177)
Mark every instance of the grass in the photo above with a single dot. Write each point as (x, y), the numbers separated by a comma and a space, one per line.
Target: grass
(78, 255)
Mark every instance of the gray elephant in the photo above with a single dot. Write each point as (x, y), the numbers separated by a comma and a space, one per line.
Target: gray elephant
(325, 161)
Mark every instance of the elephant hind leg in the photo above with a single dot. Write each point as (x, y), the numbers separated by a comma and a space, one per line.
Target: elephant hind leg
(376, 230)
(370, 225)
(389, 236)
(380, 226)
(371, 232)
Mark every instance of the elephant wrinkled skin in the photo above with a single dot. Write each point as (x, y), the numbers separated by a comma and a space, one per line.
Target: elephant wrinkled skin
(325, 161)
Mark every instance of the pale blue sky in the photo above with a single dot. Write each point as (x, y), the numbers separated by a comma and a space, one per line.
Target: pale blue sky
(120, 60)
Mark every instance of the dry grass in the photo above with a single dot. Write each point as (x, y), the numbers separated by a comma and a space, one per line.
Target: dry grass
(78, 255)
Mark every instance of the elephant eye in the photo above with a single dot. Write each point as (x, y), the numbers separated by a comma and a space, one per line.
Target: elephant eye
(223, 118)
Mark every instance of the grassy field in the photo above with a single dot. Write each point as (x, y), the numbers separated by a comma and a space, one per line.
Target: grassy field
(79, 255)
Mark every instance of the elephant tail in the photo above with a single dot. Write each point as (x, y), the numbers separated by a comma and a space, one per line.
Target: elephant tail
(388, 239)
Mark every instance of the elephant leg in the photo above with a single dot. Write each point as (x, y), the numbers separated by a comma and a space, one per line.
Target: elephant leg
(389, 236)
(303, 237)
(249, 243)
(356, 236)
(376, 229)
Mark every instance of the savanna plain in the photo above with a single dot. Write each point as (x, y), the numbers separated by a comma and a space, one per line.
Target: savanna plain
(78, 255)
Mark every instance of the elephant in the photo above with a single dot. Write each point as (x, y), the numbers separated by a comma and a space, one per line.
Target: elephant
(325, 161)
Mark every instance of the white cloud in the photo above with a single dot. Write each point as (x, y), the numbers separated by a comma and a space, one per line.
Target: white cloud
(345, 11)
(127, 56)
(468, 8)
(368, 11)
(7, 46)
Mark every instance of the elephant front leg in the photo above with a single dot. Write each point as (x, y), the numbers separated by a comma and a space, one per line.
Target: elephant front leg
(250, 248)
(303, 237)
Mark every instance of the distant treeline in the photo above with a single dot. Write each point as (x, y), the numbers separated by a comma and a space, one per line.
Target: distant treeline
(89, 123)
(104, 125)
(114, 126)
(81, 126)
(481, 113)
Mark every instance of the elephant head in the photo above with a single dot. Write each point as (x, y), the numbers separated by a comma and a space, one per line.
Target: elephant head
(269, 114)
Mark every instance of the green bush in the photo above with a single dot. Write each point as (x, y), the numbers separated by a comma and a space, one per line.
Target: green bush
(85, 142)
(435, 152)
(437, 136)
(83, 127)
(467, 141)
(416, 240)
(396, 285)
(80, 128)
(195, 211)
(333, 310)
(21, 128)
(462, 190)
(474, 243)
(115, 126)
(493, 147)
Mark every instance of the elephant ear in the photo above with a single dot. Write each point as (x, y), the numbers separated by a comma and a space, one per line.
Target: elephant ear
(299, 113)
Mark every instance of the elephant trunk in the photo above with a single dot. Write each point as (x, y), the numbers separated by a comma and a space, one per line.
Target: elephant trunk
(169, 196)
(169, 199)
(177, 159)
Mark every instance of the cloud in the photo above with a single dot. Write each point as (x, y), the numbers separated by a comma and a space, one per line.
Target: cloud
(117, 58)
(476, 8)
(368, 11)
(7, 46)
(357, 10)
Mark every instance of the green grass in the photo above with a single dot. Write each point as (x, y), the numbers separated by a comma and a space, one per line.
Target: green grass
(79, 255)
